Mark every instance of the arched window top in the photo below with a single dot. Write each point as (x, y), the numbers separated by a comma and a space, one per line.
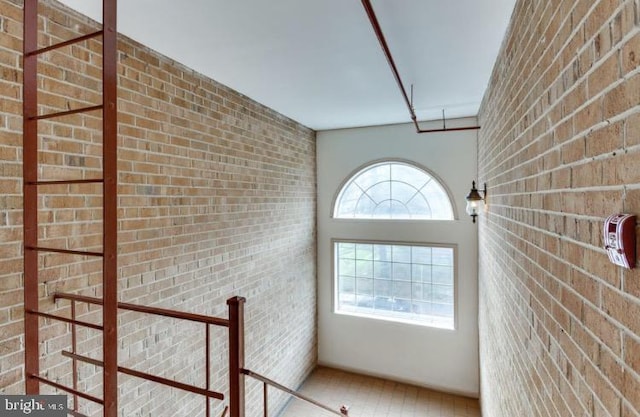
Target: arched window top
(393, 190)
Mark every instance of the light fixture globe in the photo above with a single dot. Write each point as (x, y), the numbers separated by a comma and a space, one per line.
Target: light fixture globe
(474, 202)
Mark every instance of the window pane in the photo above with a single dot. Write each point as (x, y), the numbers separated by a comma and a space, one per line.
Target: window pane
(402, 289)
(421, 273)
(382, 252)
(364, 286)
(420, 307)
(398, 282)
(391, 209)
(393, 190)
(382, 270)
(347, 285)
(421, 255)
(364, 301)
(347, 250)
(383, 210)
(438, 200)
(419, 208)
(443, 294)
(364, 251)
(349, 199)
(401, 253)
(410, 175)
(347, 266)
(441, 274)
(379, 192)
(417, 291)
(346, 300)
(401, 272)
(365, 207)
(383, 288)
(401, 191)
(364, 268)
(373, 175)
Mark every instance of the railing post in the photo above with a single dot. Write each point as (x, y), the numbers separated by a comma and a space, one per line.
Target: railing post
(236, 356)
(110, 206)
(265, 399)
(30, 197)
(207, 349)
(74, 350)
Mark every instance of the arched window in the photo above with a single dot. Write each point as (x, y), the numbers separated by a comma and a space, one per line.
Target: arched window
(393, 190)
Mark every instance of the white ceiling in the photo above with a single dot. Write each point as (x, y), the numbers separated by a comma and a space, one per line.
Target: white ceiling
(319, 61)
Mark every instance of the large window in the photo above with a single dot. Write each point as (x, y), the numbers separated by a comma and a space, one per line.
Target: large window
(410, 283)
(393, 190)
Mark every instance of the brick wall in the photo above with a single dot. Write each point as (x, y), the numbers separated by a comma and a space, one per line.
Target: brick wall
(560, 151)
(216, 198)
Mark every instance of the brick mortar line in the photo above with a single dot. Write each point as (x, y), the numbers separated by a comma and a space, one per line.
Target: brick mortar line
(524, 42)
(561, 190)
(554, 190)
(562, 237)
(576, 163)
(558, 147)
(527, 378)
(602, 282)
(13, 100)
(623, 41)
(259, 109)
(557, 214)
(585, 356)
(68, 57)
(205, 118)
(513, 313)
(515, 325)
(261, 139)
(531, 332)
(522, 56)
(577, 136)
(246, 133)
(286, 160)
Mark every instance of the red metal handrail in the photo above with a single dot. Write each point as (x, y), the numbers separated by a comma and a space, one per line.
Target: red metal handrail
(148, 377)
(147, 309)
(237, 372)
(235, 323)
(266, 382)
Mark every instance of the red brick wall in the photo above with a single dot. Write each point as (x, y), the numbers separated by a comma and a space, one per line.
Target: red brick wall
(216, 198)
(560, 151)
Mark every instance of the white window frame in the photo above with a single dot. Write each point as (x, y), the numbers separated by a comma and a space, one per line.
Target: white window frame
(371, 164)
(435, 322)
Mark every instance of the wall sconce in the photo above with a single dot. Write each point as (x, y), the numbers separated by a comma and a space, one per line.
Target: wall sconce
(475, 200)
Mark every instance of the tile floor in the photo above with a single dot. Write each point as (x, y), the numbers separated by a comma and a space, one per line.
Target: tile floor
(374, 397)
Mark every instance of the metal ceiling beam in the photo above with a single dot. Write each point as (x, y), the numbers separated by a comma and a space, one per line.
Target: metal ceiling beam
(396, 74)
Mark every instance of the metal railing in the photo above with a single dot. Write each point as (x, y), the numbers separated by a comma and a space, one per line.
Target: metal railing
(237, 372)
(33, 191)
(235, 324)
(266, 382)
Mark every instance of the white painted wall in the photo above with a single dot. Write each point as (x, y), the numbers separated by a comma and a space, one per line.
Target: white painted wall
(441, 359)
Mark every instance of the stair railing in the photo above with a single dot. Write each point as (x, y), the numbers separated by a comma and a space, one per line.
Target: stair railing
(237, 372)
(235, 325)
(266, 382)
